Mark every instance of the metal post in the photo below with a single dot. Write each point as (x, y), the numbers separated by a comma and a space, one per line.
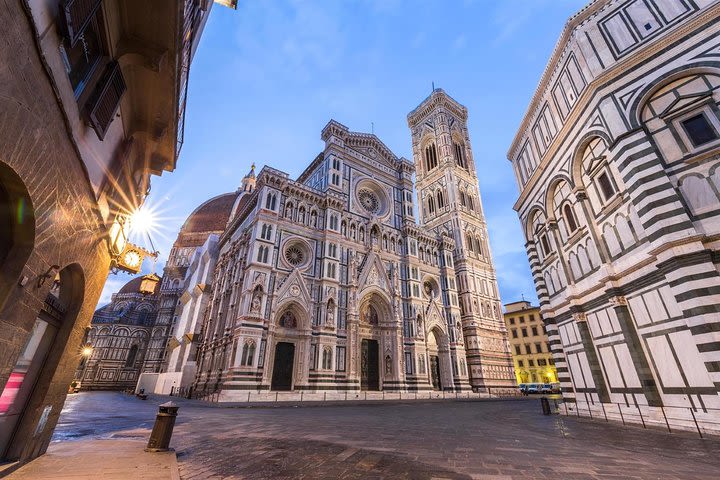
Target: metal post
(248, 396)
(641, 417)
(621, 415)
(325, 397)
(276, 395)
(696, 424)
(662, 409)
(604, 412)
(589, 411)
(566, 411)
(346, 395)
(302, 395)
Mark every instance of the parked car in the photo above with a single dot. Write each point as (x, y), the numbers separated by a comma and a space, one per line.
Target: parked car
(556, 387)
(522, 387)
(533, 388)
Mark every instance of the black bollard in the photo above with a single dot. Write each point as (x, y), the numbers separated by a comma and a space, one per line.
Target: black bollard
(545, 405)
(163, 428)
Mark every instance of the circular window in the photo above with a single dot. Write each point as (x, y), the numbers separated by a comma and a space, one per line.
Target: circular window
(294, 255)
(430, 287)
(369, 200)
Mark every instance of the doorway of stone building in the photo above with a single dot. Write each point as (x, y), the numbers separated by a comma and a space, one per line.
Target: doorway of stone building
(369, 366)
(435, 372)
(283, 366)
(24, 375)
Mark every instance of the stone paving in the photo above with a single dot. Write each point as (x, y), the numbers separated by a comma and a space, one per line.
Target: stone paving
(495, 440)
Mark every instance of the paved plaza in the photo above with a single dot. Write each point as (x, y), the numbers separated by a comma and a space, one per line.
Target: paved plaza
(504, 439)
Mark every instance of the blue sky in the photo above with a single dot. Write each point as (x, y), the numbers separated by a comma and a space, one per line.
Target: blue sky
(268, 77)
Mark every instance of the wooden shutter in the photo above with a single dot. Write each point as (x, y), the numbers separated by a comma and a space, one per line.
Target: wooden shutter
(77, 15)
(105, 100)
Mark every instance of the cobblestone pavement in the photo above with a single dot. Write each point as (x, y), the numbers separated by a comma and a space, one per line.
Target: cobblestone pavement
(446, 440)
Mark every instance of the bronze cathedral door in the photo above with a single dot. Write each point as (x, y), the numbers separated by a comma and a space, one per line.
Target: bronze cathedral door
(369, 368)
(283, 366)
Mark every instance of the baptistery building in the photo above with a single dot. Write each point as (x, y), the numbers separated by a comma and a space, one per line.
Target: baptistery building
(618, 164)
(328, 282)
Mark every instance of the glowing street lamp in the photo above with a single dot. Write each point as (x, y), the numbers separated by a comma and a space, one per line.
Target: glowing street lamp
(126, 255)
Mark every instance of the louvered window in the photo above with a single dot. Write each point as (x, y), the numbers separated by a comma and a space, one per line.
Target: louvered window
(105, 100)
(77, 15)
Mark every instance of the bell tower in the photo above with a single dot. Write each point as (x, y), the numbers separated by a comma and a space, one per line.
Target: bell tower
(449, 202)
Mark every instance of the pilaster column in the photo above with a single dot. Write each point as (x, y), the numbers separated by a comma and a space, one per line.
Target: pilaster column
(632, 339)
(589, 349)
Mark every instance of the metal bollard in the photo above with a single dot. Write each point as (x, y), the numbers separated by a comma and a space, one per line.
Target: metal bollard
(163, 428)
(545, 405)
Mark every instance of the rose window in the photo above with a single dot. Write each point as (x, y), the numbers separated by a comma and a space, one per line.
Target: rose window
(369, 200)
(294, 255)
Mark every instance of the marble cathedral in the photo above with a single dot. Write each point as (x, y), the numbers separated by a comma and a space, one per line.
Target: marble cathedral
(329, 283)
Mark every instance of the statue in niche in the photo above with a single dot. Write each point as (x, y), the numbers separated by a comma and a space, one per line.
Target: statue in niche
(256, 301)
(388, 365)
(330, 318)
(352, 265)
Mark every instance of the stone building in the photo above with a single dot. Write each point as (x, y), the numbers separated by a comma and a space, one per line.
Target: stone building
(184, 293)
(617, 162)
(328, 282)
(119, 335)
(93, 98)
(532, 356)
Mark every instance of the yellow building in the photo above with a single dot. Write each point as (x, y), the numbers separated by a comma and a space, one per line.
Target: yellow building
(532, 358)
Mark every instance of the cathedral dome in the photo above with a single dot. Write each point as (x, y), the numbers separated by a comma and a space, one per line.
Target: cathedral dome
(210, 217)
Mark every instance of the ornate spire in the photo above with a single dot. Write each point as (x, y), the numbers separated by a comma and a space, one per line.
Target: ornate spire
(248, 181)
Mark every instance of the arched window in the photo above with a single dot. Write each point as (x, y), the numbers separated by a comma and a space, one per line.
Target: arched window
(470, 202)
(479, 246)
(270, 201)
(385, 242)
(248, 354)
(469, 242)
(431, 205)
(440, 199)
(459, 155)
(570, 218)
(462, 198)
(327, 358)
(131, 356)
(430, 157)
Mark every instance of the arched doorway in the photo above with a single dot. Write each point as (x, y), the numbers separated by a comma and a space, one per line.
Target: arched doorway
(17, 229)
(290, 325)
(374, 311)
(32, 375)
(434, 354)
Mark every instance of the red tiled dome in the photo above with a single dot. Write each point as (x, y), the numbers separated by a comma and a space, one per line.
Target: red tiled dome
(210, 217)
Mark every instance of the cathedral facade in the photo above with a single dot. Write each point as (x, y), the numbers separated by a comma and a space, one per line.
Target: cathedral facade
(328, 282)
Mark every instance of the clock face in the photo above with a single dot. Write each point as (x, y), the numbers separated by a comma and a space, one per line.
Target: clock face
(132, 259)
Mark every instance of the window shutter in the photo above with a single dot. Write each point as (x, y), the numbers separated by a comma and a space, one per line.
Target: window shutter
(77, 15)
(105, 100)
